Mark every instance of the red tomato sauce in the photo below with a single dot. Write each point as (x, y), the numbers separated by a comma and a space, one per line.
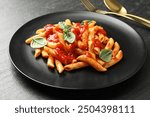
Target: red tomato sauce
(84, 28)
(76, 31)
(102, 31)
(53, 38)
(50, 35)
(98, 44)
(49, 30)
(79, 30)
(65, 56)
(88, 54)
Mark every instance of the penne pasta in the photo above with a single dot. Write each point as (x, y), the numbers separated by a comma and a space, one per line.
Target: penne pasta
(59, 66)
(37, 53)
(92, 62)
(28, 41)
(52, 45)
(45, 54)
(105, 40)
(84, 38)
(100, 62)
(74, 66)
(110, 44)
(74, 60)
(91, 34)
(52, 52)
(96, 50)
(68, 22)
(80, 51)
(50, 62)
(61, 38)
(91, 55)
(114, 60)
(42, 34)
(46, 48)
(90, 46)
(80, 44)
(116, 49)
(92, 24)
(40, 31)
(100, 37)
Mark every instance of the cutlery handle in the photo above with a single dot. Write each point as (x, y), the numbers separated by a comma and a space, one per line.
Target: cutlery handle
(139, 19)
(113, 13)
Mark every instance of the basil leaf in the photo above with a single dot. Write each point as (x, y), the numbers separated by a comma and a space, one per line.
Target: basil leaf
(38, 42)
(105, 55)
(69, 37)
(64, 27)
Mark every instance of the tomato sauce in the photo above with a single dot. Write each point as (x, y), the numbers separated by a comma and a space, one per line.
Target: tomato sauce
(78, 24)
(97, 43)
(88, 54)
(58, 29)
(50, 35)
(65, 56)
(53, 38)
(102, 31)
(79, 30)
(84, 28)
(76, 31)
(49, 30)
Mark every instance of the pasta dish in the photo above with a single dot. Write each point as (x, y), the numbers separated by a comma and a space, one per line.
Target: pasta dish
(71, 45)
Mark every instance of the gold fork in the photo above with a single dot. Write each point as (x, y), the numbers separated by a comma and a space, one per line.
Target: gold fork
(89, 6)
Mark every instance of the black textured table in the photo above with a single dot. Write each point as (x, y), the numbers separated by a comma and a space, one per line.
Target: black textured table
(13, 85)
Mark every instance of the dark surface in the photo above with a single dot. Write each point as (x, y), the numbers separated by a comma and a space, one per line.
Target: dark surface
(13, 85)
(86, 78)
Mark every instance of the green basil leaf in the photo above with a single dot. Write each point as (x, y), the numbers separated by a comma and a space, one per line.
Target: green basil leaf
(69, 37)
(64, 27)
(38, 42)
(105, 55)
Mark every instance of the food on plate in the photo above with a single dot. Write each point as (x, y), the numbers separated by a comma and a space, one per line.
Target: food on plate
(71, 45)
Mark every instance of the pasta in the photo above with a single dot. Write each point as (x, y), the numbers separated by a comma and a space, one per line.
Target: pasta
(71, 45)
(74, 66)
(37, 52)
(50, 62)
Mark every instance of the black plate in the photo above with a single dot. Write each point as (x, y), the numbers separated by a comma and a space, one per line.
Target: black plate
(131, 43)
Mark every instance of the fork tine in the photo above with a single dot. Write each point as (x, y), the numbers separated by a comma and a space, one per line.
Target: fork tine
(85, 4)
(88, 5)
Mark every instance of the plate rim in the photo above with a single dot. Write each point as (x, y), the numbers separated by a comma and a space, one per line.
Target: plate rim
(74, 88)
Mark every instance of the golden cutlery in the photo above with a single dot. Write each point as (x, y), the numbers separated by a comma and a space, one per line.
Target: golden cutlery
(116, 7)
(89, 6)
